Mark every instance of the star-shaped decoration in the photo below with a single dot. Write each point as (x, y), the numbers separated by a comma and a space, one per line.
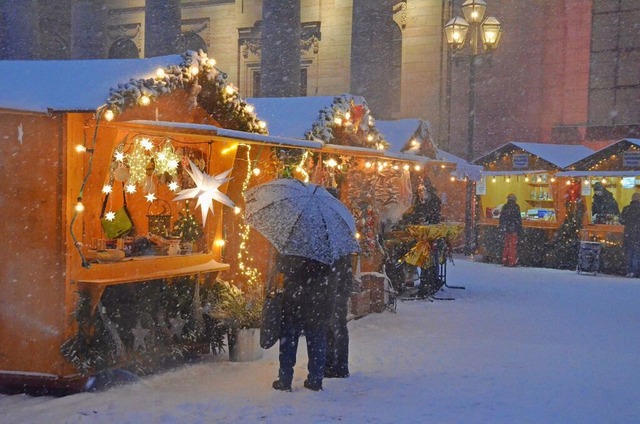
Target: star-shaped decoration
(138, 161)
(206, 190)
(106, 189)
(166, 160)
(139, 334)
(173, 186)
(146, 143)
(177, 324)
(130, 188)
(119, 156)
(110, 216)
(150, 197)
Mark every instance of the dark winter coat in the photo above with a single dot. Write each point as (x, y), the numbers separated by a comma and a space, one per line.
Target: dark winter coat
(605, 204)
(630, 217)
(510, 218)
(308, 294)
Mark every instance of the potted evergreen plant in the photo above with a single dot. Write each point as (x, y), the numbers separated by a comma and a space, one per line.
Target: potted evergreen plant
(241, 313)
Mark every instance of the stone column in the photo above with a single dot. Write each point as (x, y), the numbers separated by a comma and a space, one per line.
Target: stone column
(20, 30)
(162, 28)
(372, 53)
(89, 29)
(280, 48)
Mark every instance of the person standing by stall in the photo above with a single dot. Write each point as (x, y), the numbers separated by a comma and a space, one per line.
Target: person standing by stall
(510, 224)
(307, 302)
(604, 205)
(630, 218)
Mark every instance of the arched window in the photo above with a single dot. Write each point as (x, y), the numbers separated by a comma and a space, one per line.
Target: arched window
(124, 48)
(193, 41)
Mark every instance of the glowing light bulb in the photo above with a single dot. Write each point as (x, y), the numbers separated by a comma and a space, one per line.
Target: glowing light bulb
(79, 207)
(452, 179)
(332, 163)
(415, 143)
(367, 164)
(370, 137)
(144, 100)
(262, 124)
(526, 179)
(337, 120)
(229, 90)
(553, 179)
(237, 210)
(194, 70)
(358, 236)
(109, 115)
(493, 180)
(406, 167)
(256, 171)
(508, 179)
(417, 167)
(568, 182)
(249, 108)
(160, 73)
(219, 243)
(80, 148)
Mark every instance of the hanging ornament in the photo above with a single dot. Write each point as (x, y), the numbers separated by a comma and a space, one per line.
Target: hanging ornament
(139, 334)
(205, 191)
(121, 173)
(166, 160)
(138, 161)
(149, 185)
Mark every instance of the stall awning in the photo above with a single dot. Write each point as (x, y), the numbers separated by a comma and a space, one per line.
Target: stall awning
(517, 172)
(571, 174)
(208, 131)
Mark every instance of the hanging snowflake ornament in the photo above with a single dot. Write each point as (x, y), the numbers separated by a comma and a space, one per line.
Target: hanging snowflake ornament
(167, 160)
(206, 190)
(138, 161)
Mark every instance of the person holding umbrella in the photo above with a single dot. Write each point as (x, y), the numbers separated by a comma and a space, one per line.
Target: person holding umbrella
(306, 308)
(311, 230)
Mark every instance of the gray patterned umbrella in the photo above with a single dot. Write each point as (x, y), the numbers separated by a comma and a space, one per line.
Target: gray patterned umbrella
(301, 219)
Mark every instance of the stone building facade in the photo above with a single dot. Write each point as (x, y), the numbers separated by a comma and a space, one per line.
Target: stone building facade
(566, 70)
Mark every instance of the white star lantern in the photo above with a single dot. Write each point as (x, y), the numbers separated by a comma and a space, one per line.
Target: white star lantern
(110, 216)
(205, 191)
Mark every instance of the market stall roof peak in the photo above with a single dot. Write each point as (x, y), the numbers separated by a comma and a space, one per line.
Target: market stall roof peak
(70, 85)
(605, 152)
(558, 155)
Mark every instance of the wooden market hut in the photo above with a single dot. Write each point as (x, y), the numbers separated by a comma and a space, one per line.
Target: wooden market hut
(617, 167)
(528, 170)
(449, 174)
(357, 157)
(79, 137)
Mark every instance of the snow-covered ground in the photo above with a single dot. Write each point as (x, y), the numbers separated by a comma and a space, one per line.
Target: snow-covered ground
(519, 345)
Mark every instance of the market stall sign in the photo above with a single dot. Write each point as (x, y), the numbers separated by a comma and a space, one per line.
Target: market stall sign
(585, 188)
(631, 159)
(520, 160)
(481, 187)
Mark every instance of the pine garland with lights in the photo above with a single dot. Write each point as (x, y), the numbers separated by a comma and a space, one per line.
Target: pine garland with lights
(335, 126)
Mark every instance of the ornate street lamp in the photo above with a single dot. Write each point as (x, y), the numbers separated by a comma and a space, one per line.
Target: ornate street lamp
(485, 31)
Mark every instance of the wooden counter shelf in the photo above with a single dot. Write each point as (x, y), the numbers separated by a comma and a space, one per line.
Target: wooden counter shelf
(526, 223)
(95, 279)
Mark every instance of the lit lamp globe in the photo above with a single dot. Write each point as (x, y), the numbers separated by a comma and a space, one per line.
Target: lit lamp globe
(473, 10)
(456, 32)
(491, 32)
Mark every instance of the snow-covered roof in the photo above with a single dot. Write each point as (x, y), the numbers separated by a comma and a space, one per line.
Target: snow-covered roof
(70, 85)
(463, 168)
(604, 152)
(290, 116)
(559, 155)
(398, 132)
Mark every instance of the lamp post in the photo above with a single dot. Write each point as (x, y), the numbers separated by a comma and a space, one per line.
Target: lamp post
(488, 30)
